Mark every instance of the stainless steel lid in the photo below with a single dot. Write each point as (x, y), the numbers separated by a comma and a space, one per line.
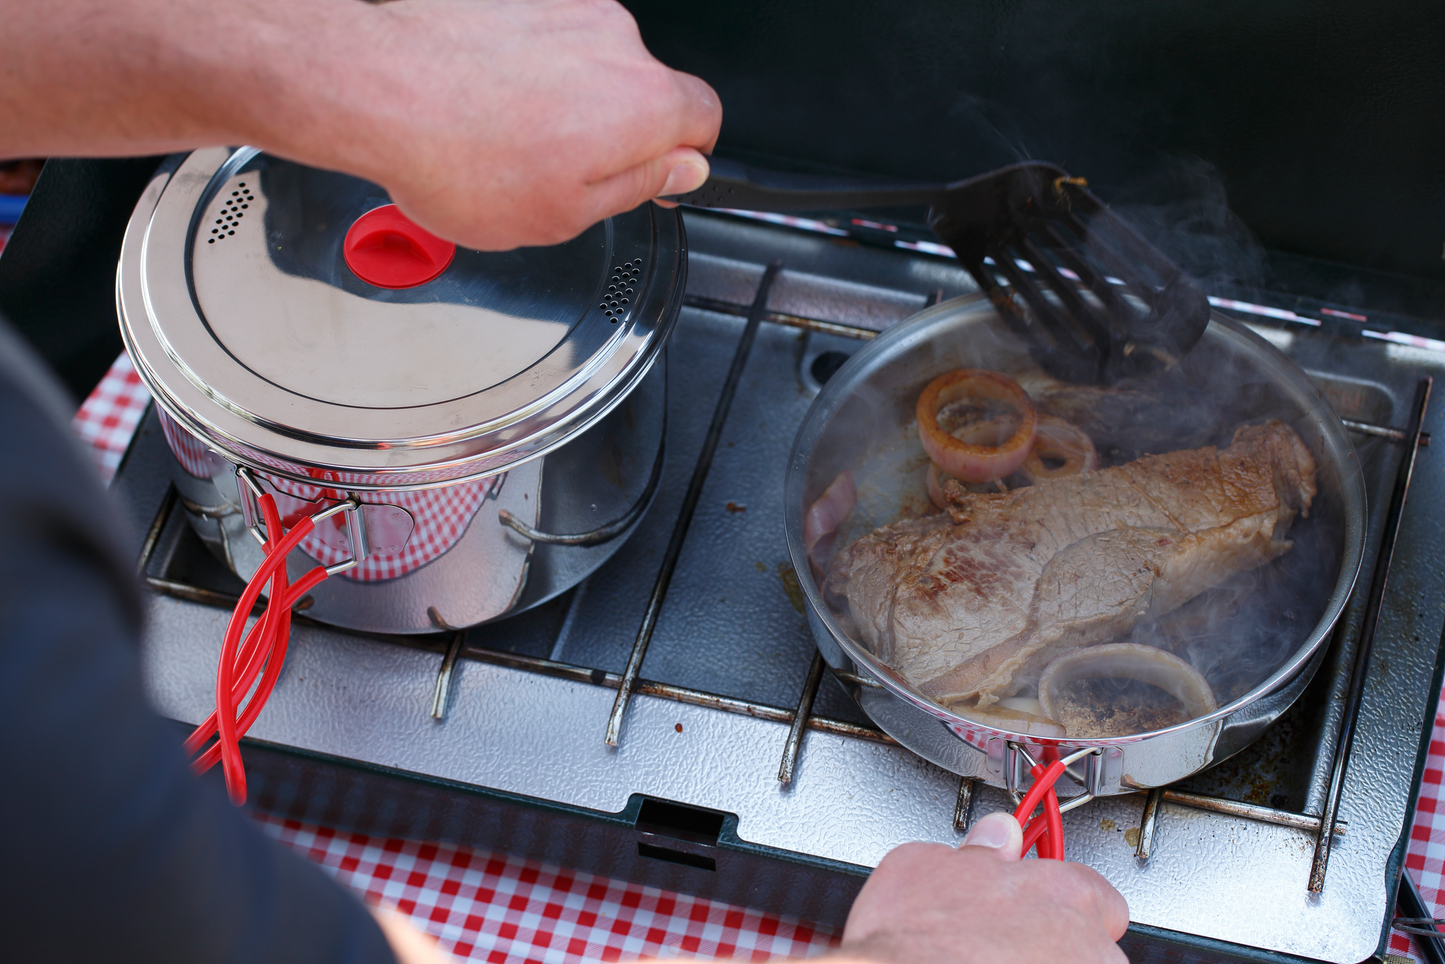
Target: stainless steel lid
(249, 326)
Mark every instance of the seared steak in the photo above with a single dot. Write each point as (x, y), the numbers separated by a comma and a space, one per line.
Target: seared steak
(972, 603)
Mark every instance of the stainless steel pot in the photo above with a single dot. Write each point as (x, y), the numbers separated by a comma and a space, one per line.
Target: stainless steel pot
(491, 427)
(861, 422)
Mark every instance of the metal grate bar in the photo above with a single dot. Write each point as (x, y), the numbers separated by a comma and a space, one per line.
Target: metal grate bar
(1148, 823)
(689, 505)
(442, 695)
(1250, 811)
(794, 744)
(1324, 839)
(963, 806)
(781, 318)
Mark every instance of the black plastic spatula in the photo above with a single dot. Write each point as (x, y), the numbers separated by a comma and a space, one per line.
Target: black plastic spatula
(1095, 302)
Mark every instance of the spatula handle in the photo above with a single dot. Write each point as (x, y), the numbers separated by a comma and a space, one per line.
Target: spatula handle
(734, 185)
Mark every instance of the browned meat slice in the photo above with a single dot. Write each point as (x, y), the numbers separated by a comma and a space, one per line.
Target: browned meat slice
(969, 603)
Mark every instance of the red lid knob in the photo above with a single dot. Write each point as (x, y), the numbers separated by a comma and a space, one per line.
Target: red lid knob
(386, 249)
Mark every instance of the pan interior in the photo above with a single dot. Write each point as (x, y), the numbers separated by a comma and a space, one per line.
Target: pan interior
(1245, 635)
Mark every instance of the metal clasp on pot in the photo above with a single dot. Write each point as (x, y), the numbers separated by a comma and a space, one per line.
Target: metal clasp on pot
(1018, 762)
(250, 491)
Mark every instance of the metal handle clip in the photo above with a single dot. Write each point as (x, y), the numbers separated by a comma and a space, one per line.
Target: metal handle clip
(251, 493)
(1019, 762)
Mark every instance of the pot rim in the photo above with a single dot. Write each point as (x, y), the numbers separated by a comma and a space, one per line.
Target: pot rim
(460, 441)
(917, 329)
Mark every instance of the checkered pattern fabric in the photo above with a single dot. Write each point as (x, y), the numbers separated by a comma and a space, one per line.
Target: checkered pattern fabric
(484, 906)
(1425, 855)
(974, 738)
(107, 419)
(441, 516)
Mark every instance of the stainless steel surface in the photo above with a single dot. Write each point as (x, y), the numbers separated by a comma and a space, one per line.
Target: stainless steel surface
(478, 579)
(269, 349)
(730, 650)
(860, 423)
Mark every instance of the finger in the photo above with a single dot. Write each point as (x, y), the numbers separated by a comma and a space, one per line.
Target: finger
(701, 111)
(1116, 910)
(999, 832)
(678, 171)
(1113, 908)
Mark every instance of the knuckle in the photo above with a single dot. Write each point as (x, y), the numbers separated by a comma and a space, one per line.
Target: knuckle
(1073, 886)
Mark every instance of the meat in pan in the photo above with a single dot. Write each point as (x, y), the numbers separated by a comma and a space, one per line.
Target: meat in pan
(970, 604)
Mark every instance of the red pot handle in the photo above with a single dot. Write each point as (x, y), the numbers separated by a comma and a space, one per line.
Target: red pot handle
(242, 660)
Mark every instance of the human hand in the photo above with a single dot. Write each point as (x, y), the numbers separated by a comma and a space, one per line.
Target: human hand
(494, 123)
(500, 123)
(409, 945)
(981, 903)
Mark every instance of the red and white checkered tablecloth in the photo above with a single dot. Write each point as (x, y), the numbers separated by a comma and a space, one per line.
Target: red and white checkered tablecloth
(1425, 856)
(108, 418)
(484, 906)
(493, 907)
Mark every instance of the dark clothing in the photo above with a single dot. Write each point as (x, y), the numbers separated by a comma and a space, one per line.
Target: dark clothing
(113, 850)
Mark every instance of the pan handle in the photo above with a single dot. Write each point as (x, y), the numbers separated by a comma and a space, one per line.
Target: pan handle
(734, 185)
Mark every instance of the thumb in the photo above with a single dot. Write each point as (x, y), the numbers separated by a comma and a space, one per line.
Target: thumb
(680, 170)
(999, 832)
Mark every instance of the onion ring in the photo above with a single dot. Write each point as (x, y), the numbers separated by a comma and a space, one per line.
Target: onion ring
(969, 461)
(1061, 440)
(820, 524)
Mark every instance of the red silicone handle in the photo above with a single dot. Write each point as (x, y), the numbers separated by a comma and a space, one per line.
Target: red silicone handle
(384, 248)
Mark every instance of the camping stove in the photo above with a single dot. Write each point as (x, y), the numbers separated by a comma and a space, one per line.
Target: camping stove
(669, 720)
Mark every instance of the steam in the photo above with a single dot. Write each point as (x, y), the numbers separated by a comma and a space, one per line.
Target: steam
(1182, 208)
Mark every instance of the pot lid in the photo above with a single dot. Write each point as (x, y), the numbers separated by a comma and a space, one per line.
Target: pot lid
(295, 320)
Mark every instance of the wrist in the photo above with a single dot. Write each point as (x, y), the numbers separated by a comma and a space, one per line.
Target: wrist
(286, 75)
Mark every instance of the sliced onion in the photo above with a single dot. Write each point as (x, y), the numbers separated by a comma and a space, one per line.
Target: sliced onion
(973, 461)
(824, 516)
(1064, 442)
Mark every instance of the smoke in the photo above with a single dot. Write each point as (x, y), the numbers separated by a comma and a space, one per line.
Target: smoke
(1182, 208)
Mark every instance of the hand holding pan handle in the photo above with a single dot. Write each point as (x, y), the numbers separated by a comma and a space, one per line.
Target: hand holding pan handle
(1093, 300)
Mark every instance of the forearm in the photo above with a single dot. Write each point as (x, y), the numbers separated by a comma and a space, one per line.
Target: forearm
(126, 77)
(494, 123)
